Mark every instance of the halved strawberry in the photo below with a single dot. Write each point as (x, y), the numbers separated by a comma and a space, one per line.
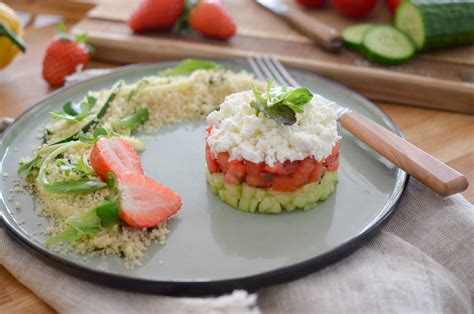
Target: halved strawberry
(145, 203)
(114, 154)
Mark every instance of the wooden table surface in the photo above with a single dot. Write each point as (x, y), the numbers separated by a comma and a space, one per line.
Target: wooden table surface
(447, 136)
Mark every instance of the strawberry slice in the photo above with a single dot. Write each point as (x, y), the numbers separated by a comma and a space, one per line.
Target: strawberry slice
(114, 154)
(144, 203)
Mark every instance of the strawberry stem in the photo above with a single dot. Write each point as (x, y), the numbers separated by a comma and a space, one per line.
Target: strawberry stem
(14, 38)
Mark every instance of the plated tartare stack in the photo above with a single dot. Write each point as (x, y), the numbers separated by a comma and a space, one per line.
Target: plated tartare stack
(273, 151)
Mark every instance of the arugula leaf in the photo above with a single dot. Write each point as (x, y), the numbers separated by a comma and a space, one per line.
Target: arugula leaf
(98, 133)
(78, 226)
(73, 186)
(281, 103)
(65, 167)
(188, 66)
(134, 91)
(132, 122)
(108, 213)
(83, 167)
(113, 93)
(25, 170)
(89, 222)
(75, 112)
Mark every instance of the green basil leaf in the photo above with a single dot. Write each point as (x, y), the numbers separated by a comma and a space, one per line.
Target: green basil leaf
(25, 170)
(276, 95)
(281, 113)
(188, 66)
(132, 122)
(69, 235)
(74, 186)
(108, 213)
(299, 97)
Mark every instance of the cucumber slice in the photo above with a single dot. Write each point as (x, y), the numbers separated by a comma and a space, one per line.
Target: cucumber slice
(387, 45)
(352, 36)
(436, 24)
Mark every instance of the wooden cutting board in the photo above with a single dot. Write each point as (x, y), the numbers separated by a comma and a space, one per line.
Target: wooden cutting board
(442, 79)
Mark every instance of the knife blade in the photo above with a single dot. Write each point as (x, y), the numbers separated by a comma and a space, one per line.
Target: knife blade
(323, 34)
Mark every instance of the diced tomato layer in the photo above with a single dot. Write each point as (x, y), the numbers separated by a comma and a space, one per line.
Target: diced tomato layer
(284, 177)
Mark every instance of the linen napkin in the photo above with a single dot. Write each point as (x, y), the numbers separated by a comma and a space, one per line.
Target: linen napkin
(421, 262)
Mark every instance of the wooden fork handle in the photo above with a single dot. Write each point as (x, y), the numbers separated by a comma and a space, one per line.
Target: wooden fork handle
(438, 176)
(323, 34)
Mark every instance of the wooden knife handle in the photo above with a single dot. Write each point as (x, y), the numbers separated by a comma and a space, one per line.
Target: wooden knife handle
(438, 176)
(323, 34)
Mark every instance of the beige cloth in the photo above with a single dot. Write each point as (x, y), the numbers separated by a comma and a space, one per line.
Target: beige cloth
(422, 262)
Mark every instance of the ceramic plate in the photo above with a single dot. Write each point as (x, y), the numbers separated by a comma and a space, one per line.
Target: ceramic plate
(213, 248)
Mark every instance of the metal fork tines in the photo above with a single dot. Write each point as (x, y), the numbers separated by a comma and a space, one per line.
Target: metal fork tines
(267, 67)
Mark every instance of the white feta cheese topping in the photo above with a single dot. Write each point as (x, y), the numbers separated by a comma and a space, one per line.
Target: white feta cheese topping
(238, 130)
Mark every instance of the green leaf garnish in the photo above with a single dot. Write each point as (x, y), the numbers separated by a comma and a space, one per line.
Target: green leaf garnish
(134, 91)
(75, 112)
(25, 170)
(281, 103)
(132, 122)
(113, 93)
(78, 226)
(74, 186)
(188, 66)
(108, 213)
(90, 222)
(84, 168)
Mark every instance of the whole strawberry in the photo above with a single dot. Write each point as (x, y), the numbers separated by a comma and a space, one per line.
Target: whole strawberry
(210, 18)
(156, 15)
(64, 55)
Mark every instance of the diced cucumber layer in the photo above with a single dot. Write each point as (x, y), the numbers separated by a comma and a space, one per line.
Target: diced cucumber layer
(268, 201)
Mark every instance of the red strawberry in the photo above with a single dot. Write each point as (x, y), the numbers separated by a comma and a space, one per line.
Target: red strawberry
(115, 155)
(156, 15)
(210, 18)
(63, 55)
(145, 203)
(312, 3)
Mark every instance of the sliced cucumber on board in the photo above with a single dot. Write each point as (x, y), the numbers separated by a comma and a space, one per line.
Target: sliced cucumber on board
(387, 45)
(353, 35)
(436, 23)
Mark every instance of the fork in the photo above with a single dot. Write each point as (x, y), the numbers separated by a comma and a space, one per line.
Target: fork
(433, 173)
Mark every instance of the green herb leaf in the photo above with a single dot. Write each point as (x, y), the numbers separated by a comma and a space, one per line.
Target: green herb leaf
(113, 93)
(188, 66)
(299, 97)
(78, 226)
(25, 170)
(132, 122)
(74, 111)
(282, 114)
(136, 89)
(73, 186)
(108, 213)
(84, 168)
(281, 103)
